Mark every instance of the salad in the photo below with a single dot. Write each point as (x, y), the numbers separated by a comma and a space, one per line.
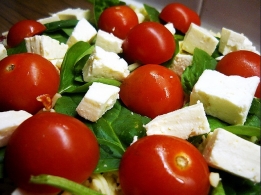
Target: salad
(114, 105)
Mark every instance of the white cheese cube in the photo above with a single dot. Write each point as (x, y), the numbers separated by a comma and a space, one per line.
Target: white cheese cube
(183, 123)
(231, 153)
(170, 27)
(10, 120)
(73, 14)
(108, 42)
(98, 99)
(197, 36)
(233, 41)
(46, 46)
(50, 19)
(57, 63)
(180, 63)
(226, 97)
(83, 31)
(106, 65)
(3, 52)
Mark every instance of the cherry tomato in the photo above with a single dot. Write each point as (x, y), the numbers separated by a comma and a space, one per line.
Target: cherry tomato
(50, 143)
(180, 15)
(23, 29)
(24, 77)
(242, 63)
(149, 43)
(118, 20)
(152, 90)
(161, 164)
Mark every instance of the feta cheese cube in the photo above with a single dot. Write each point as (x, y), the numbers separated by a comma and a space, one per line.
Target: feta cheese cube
(197, 36)
(73, 14)
(3, 52)
(183, 123)
(57, 63)
(98, 99)
(83, 31)
(46, 46)
(106, 65)
(231, 153)
(180, 63)
(10, 120)
(170, 27)
(226, 97)
(233, 41)
(108, 42)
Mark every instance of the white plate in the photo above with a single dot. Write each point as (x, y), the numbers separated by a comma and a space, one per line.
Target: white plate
(241, 16)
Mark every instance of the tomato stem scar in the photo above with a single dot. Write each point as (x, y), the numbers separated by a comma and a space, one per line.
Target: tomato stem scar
(182, 162)
(10, 67)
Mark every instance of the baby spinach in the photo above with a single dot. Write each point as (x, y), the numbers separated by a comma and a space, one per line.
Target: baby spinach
(67, 75)
(153, 13)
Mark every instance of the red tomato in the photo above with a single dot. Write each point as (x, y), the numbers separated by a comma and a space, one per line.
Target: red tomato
(149, 43)
(118, 20)
(152, 90)
(180, 15)
(242, 63)
(50, 143)
(24, 77)
(160, 164)
(23, 29)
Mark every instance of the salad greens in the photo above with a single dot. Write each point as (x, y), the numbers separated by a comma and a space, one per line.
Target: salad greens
(116, 129)
(63, 184)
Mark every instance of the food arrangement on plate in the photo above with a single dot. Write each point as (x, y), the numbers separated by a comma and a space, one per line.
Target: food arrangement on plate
(127, 99)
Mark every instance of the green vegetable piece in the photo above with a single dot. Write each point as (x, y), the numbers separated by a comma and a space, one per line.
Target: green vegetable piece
(63, 184)
(72, 56)
(201, 61)
(153, 13)
(219, 190)
(58, 25)
(244, 130)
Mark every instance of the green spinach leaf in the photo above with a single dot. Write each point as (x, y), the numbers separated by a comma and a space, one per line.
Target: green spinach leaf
(67, 74)
(153, 13)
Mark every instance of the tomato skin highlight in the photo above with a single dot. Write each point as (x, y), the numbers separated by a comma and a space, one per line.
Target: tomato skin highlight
(243, 63)
(149, 43)
(50, 143)
(23, 77)
(23, 29)
(118, 20)
(180, 15)
(152, 90)
(160, 164)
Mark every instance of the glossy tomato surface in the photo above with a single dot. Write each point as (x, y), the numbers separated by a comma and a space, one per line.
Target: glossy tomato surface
(118, 20)
(180, 15)
(24, 77)
(152, 90)
(160, 164)
(23, 29)
(51, 143)
(149, 43)
(242, 63)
